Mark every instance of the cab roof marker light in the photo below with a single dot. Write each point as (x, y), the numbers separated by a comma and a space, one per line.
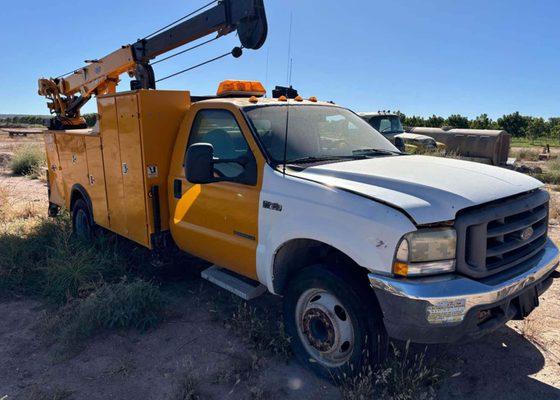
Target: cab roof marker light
(313, 99)
(298, 98)
(282, 98)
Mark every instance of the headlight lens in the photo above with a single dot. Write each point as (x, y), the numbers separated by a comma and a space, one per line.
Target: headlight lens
(426, 252)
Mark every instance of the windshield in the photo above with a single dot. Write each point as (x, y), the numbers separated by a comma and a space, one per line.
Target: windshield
(315, 132)
(388, 124)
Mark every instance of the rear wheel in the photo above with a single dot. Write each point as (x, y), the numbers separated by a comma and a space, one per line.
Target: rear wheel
(82, 224)
(334, 322)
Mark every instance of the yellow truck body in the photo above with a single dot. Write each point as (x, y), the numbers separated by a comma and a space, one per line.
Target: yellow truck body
(119, 164)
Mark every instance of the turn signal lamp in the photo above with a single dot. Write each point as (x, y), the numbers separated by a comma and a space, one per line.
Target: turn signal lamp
(241, 88)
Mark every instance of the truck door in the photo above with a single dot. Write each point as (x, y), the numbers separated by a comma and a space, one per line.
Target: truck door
(219, 221)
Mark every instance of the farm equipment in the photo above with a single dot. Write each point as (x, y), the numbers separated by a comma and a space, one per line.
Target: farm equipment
(13, 132)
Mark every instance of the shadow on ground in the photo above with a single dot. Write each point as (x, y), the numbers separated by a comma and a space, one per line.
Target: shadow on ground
(498, 366)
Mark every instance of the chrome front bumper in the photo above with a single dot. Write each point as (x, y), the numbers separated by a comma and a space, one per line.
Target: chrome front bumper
(448, 300)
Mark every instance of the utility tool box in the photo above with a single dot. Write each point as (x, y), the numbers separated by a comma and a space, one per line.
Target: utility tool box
(123, 162)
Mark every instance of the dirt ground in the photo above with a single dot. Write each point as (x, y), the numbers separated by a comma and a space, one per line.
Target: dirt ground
(194, 348)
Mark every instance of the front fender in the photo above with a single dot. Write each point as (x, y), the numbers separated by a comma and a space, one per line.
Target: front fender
(365, 230)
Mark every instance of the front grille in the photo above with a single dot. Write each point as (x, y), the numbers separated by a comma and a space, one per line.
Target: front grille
(500, 235)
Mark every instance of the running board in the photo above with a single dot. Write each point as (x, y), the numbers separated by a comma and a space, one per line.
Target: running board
(243, 287)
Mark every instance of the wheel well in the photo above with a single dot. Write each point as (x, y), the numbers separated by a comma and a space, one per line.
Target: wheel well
(298, 254)
(78, 192)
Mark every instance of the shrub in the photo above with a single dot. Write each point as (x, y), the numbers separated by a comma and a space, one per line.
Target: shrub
(74, 268)
(39, 256)
(24, 248)
(137, 304)
(28, 160)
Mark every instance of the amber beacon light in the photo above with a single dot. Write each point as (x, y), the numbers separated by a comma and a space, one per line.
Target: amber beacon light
(241, 88)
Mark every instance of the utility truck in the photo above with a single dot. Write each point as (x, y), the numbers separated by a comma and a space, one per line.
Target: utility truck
(300, 198)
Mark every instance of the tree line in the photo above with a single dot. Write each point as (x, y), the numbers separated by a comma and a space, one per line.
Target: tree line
(515, 124)
(23, 120)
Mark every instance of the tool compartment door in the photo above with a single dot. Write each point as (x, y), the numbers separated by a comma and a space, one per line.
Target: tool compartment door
(112, 164)
(72, 156)
(132, 168)
(96, 178)
(56, 185)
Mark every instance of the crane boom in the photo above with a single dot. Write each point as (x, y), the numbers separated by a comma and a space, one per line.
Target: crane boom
(67, 95)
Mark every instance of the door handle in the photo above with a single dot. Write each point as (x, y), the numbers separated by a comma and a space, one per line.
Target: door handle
(178, 188)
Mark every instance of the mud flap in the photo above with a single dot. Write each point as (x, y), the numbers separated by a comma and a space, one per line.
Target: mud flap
(527, 302)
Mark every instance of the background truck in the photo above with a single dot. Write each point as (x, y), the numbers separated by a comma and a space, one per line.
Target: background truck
(305, 200)
(390, 125)
(479, 145)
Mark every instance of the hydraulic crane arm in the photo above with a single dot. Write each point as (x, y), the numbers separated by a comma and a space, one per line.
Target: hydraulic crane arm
(67, 95)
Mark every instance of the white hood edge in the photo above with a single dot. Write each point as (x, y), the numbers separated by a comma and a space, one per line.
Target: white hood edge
(428, 189)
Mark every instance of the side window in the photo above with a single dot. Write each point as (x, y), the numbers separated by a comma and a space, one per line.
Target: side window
(220, 129)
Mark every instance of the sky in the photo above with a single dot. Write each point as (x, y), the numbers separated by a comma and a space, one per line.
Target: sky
(422, 57)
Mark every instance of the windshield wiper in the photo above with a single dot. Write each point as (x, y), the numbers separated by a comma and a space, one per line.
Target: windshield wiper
(391, 131)
(313, 159)
(369, 152)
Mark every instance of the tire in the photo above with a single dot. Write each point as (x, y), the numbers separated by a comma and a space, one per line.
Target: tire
(334, 322)
(82, 222)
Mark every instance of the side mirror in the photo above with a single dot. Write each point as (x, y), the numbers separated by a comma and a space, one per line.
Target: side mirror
(399, 144)
(199, 167)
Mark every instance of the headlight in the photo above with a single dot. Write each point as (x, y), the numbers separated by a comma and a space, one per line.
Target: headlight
(426, 252)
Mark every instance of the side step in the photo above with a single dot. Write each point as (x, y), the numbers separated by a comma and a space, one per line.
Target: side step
(243, 287)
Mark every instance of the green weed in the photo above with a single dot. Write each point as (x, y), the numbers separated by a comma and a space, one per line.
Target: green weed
(137, 304)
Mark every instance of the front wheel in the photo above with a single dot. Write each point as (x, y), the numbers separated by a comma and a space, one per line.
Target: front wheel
(334, 322)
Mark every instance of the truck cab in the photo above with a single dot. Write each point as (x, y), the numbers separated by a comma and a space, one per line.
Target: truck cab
(390, 125)
(306, 200)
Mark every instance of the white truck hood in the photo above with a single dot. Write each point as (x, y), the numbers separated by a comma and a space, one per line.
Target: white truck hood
(428, 189)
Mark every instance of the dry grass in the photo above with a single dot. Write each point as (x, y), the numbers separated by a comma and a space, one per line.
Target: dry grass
(550, 173)
(243, 368)
(554, 205)
(37, 393)
(13, 210)
(526, 154)
(265, 335)
(404, 376)
(4, 204)
(531, 328)
(187, 388)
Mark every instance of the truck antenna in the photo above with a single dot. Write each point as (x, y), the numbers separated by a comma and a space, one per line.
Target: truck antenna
(289, 79)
